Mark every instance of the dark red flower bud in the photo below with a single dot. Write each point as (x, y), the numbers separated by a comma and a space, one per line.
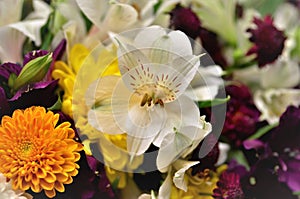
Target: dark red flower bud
(268, 41)
(185, 20)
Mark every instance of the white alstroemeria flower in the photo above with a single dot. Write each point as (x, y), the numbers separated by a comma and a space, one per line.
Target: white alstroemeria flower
(273, 102)
(206, 83)
(13, 31)
(286, 17)
(176, 176)
(6, 190)
(272, 95)
(156, 70)
(117, 16)
(285, 73)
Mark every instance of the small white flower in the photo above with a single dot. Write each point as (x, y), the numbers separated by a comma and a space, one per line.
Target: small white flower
(273, 102)
(117, 16)
(6, 190)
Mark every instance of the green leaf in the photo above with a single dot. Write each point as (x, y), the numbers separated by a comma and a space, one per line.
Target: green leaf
(297, 193)
(57, 105)
(262, 131)
(214, 102)
(239, 157)
(296, 51)
(157, 5)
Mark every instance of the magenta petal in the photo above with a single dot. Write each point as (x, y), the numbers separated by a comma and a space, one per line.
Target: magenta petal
(4, 106)
(36, 94)
(34, 54)
(291, 176)
(59, 50)
(253, 144)
(8, 68)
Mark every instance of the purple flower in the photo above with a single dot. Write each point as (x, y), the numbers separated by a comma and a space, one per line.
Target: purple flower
(279, 158)
(8, 68)
(185, 20)
(262, 182)
(228, 186)
(285, 145)
(36, 94)
(268, 41)
(211, 44)
(241, 117)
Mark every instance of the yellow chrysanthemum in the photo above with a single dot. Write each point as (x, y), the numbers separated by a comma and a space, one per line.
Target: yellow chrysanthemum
(200, 186)
(102, 63)
(67, 73)
(35, 153)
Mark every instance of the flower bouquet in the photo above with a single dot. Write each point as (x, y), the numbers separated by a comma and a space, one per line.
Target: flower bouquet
(157, 99)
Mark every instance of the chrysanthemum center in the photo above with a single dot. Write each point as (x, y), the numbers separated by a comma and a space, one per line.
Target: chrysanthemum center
(26, 149)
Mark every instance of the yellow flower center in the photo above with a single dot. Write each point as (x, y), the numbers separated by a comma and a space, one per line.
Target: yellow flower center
(26, 150)
(154, 94)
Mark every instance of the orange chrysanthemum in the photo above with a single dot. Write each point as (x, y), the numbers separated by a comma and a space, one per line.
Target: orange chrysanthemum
(35, 154)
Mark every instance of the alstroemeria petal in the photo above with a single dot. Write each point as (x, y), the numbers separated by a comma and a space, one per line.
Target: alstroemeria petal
(285, 73)
(11, 45)
(272, 103)
(151, 33)
(175, 143)
(137, 121)
(119, 17)
(181, 112)
(10, 11)
(187, 67)
(165, 188)
(129, 57)
(205, 83)
(180, 44)
(99, 98)
(182, 167)
(95, 10)
(138, 146)
(202, 93)
(31, 26)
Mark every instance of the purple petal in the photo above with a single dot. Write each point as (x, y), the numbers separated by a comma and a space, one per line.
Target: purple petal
(59, 50)
(37, 94)
(4, 106)
(291, 175)
(92, 162)
(34, 54)
(57, 54)
(7, 68)
(253, 144)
